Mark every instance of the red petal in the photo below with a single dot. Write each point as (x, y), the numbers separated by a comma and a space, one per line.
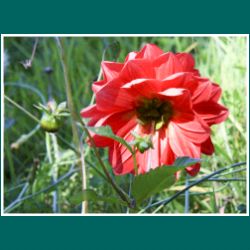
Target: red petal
(143, 162)
(187, 61)
(120, 157)
(150, 159)
(206, 91)
(207, 147)
(88, 111)
(194, 169)
(96, 86)
(94, 114)
(121, 124)
(153, 158)
(144, 87)
(216, 92)
(131, 56)
(122, 163)
(137, 68)
(113, 98)
(153, 155)
(203, 91)
(211, 112)
(180, 99)
(180, 80)
(167, 65)
(149, 51)
(167, 155)
(125, 124)
(191, 128)
(183, 147)
(111, 69)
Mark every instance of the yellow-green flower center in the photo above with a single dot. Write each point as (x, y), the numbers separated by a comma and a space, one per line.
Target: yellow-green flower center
(154, 111)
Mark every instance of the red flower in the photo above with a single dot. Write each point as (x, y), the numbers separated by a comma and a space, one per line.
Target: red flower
(160, 94)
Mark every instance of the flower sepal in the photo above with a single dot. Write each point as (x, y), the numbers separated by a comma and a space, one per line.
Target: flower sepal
(141, 143)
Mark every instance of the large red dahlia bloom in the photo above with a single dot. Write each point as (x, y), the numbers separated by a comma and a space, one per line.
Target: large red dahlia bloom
(158, 94)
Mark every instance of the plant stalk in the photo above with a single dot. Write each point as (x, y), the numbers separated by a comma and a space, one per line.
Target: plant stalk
(119, 191)
(74, 118)
(21, 108)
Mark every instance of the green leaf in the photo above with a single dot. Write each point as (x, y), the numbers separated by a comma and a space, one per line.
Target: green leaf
(185, 161)
(41, 107)
(62, 106)
(106, 131)
(91, 195)
(156, 180)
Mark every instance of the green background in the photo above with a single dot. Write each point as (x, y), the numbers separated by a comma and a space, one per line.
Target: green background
(124, 232)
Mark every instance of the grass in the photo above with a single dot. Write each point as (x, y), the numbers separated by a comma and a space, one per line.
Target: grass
(30, 167)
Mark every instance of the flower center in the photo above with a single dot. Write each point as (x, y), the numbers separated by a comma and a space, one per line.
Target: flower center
(154, 111)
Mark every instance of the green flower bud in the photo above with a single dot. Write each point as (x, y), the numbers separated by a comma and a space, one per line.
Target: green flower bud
(49, 123)
(142, 143)
(53, 114)
(143, 146)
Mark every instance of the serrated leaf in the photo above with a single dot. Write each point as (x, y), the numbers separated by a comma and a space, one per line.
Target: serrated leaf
(156, 180)
(106, 131)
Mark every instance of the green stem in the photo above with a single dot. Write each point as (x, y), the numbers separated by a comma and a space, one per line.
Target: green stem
(52, 163)
(24, 137)
(134, 161)
(74, 118)
(119, 191)
(48, 148)
(68, 93)
(21, 108)
(56, 152)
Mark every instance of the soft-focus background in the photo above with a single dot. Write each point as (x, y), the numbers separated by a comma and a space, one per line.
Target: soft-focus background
(28, 171)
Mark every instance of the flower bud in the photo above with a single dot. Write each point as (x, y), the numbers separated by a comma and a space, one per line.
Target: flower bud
(142, 143)
(49, 123)
(53, 114)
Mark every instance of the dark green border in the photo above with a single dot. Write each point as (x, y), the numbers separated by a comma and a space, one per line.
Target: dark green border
(124, 233)
(130, 17)
(137, 17)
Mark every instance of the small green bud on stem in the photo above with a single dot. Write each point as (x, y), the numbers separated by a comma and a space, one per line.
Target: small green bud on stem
(142, 143)
(51, 120)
